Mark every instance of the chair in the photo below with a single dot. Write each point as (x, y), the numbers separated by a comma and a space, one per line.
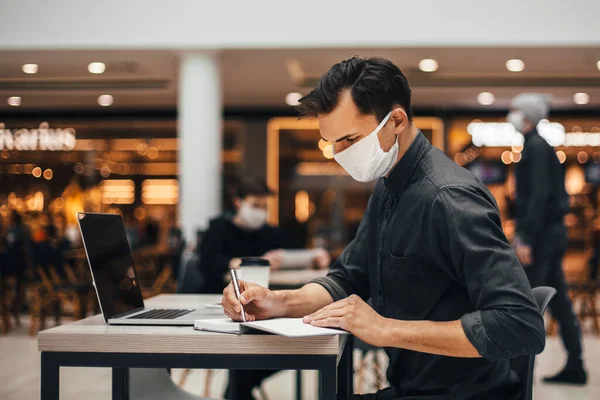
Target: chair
(156, 384)
(523, 365)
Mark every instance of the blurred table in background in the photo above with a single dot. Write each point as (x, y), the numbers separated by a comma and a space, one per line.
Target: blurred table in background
(294, 278)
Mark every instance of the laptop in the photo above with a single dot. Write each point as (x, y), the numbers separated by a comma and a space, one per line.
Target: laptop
(115, 280)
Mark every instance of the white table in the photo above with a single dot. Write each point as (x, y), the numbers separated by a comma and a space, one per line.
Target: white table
(92, 343)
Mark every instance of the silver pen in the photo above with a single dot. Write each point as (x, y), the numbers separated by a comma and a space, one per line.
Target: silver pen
(236, 287)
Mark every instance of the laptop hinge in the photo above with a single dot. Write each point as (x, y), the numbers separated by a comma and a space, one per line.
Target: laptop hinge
(127, 313)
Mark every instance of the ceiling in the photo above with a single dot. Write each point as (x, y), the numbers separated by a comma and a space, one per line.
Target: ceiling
(261, 78)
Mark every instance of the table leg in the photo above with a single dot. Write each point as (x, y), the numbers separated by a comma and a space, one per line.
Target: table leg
(50, 381)
(120, 383)
(346, 370)
(298, 384)
(328, 381)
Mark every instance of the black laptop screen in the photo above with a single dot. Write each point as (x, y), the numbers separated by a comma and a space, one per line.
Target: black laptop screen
(111, 263)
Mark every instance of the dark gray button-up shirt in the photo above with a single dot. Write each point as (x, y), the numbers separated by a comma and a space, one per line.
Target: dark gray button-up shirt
(431, 247)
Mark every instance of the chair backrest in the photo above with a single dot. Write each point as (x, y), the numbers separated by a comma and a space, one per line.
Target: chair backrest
(523, 365)
(190, 280)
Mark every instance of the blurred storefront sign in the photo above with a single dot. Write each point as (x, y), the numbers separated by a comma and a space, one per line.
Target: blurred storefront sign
(504, 134)
(43, 138)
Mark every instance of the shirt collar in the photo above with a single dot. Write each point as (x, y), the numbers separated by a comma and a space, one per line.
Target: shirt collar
(398, 178)
(530, 134)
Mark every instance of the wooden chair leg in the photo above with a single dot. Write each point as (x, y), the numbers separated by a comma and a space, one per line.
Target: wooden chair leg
(208, 382)
(377, 370)
(183, 378)
(593, 312)
(361, 374)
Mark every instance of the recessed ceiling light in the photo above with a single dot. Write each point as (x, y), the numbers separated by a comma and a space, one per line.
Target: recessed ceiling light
(428, 65)
(14, 101)
(581, 98)
(30, 68)
(97, 68)
(486, 98)
(105, 100)
(291, 99)
(515, 65)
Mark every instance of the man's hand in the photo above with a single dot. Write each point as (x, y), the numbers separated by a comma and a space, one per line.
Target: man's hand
(355, 316)
(275, 258)
(524, 254)
(258, 301)
(322, 258)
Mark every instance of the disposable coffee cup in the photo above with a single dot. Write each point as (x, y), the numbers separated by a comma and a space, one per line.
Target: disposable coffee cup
(255, 270)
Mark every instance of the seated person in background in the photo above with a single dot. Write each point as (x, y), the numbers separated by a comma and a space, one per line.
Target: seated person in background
(244, 233)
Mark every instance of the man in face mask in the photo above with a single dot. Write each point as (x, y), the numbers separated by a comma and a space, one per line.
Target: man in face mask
(244, 233)
(541, 236)
(451, 303)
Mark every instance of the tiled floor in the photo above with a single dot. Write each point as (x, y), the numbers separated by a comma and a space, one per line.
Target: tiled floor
(19, 375)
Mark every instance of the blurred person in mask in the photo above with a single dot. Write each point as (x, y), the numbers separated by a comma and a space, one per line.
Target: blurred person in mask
(231, 236)
(242, 233)
(541, 236)
(451, 303)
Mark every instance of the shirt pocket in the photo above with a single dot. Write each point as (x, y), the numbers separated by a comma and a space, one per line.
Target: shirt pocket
(407, 292)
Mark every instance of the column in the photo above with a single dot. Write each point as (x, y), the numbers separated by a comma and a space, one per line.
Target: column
(200, 132)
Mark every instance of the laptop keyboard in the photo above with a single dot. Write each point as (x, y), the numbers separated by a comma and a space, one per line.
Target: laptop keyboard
(160, 314)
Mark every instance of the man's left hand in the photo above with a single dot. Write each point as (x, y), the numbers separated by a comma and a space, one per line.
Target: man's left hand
(352, 314)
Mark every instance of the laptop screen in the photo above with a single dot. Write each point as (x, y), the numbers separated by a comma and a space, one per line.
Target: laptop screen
(111, 263)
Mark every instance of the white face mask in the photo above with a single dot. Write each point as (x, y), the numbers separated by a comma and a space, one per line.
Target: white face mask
(517, 118)
(252, 218)
(365, 161)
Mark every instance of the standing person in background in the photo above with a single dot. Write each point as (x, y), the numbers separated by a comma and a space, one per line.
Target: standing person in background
(541, 236)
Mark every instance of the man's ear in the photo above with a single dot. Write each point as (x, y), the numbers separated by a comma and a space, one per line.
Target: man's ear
(237, 203)
(400, 119)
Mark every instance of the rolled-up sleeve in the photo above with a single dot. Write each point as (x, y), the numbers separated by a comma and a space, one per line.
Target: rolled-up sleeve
(466, 240)
(349, 274)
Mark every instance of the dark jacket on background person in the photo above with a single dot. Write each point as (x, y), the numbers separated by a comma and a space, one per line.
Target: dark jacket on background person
(431, 247)
(224, 240)
(541, 195)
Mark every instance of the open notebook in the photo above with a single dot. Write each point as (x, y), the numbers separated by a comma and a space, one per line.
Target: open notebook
(290, 327)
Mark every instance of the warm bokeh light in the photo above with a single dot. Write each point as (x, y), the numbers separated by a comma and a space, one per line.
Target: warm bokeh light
(562, 157)
(291, 99)
(515, 157)
(48, 174)
(328, 151)
(30, 68)
(160, 191)
(14, 101)
(322, 144)
(515, 65)
(486, 98)
(428, 65)
(36, 172)
(506, 158)
(105, 100)
(152, 153)
(96, 68)
(582, 157)
(302, 206)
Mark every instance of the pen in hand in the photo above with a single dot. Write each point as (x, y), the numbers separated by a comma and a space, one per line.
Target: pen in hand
(236, 288)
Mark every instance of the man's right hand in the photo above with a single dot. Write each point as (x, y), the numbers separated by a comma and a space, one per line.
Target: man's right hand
(258, 301)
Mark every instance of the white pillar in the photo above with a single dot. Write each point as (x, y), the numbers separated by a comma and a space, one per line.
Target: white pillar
(199, 117)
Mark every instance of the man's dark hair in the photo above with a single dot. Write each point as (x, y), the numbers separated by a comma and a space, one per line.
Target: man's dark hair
(251, 186)
(376, 86)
